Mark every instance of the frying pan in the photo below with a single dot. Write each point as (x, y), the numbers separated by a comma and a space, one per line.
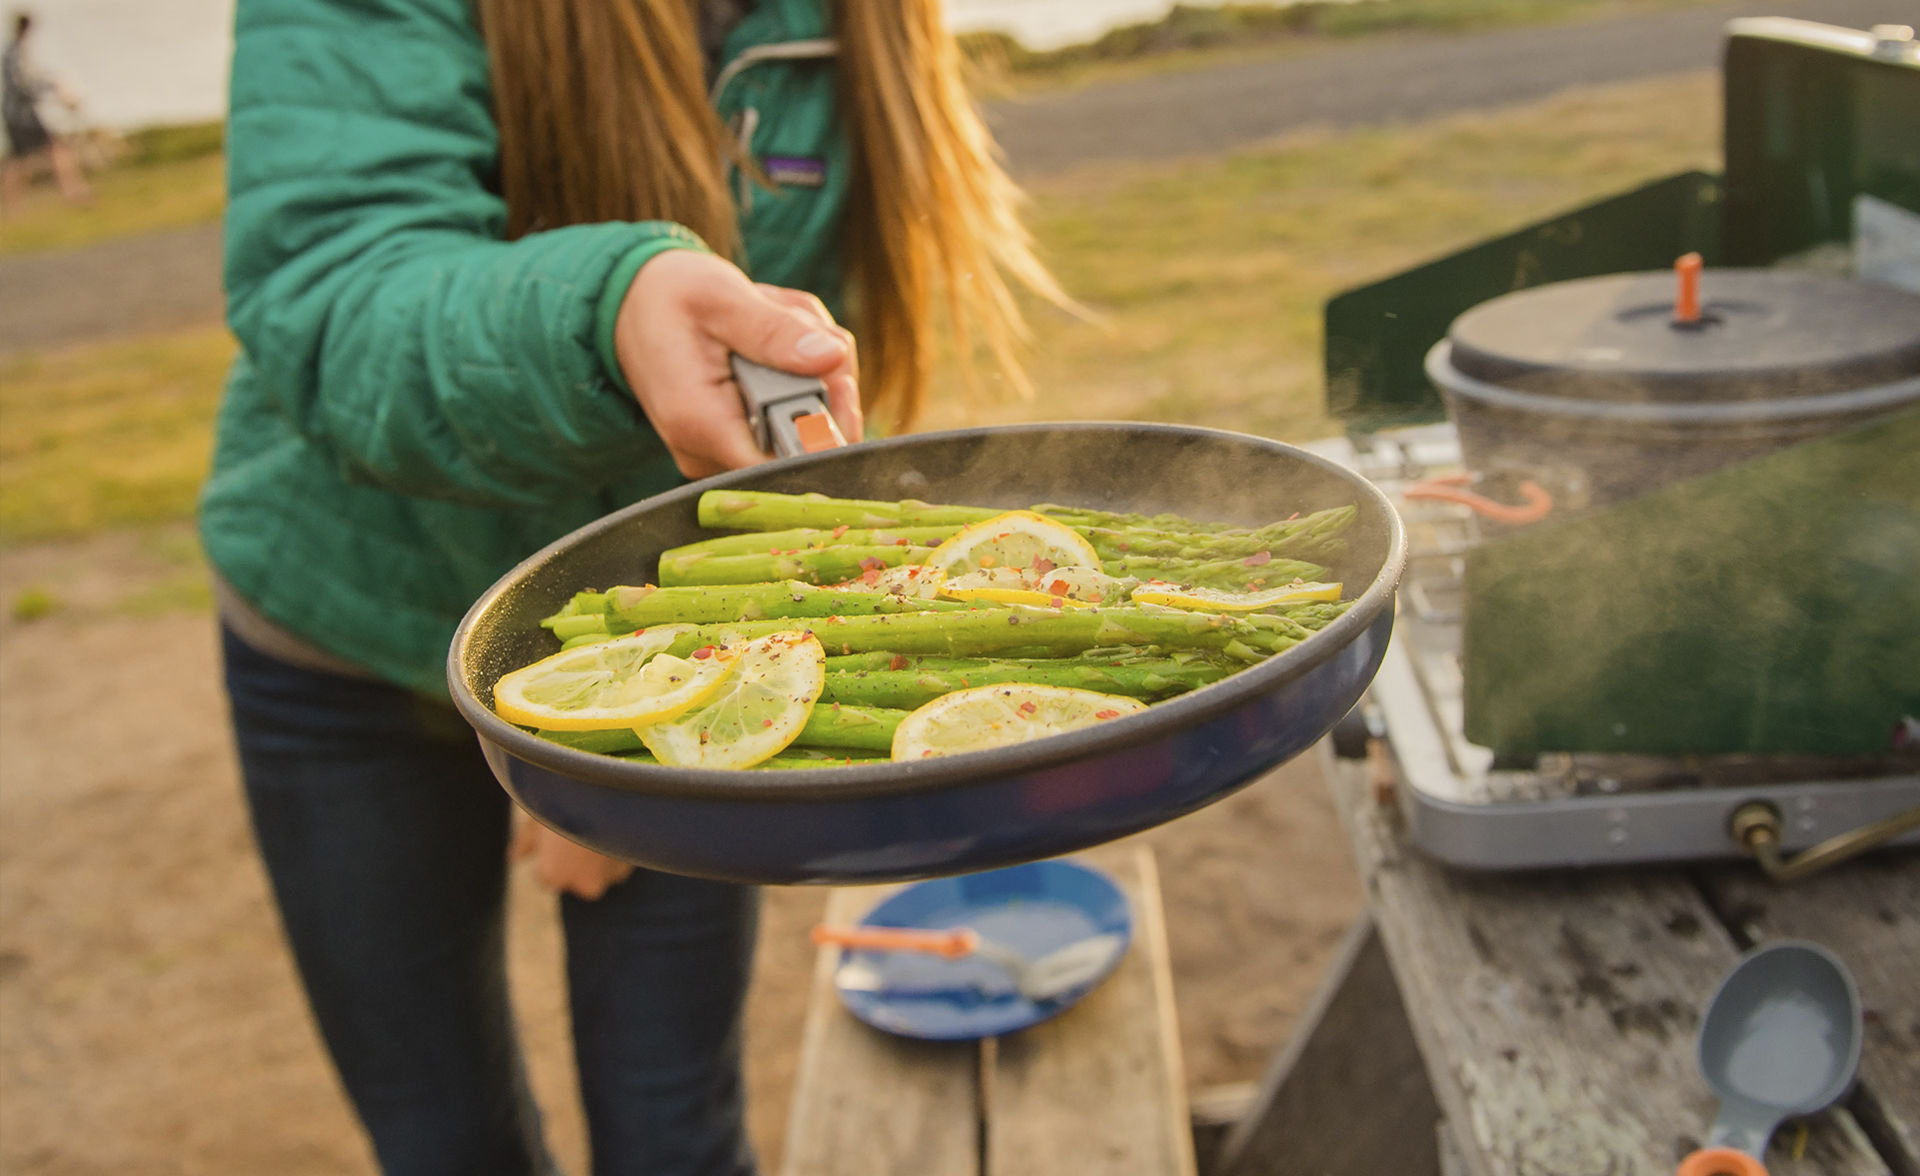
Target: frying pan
(900, 821)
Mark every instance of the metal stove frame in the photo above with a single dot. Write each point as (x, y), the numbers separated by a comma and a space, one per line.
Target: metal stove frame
(1465, 810)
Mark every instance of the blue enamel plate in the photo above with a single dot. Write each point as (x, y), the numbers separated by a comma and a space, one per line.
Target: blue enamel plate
(1034, 909)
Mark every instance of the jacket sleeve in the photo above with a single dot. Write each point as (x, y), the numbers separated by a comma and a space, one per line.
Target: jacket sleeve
(368, 281)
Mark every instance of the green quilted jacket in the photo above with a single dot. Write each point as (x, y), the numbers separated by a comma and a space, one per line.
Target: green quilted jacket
(418, 403)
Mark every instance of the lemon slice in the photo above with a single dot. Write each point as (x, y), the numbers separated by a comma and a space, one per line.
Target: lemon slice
(613, 683)
(1019, 539)
(996, 716)
(755, 714)
(1216, 600)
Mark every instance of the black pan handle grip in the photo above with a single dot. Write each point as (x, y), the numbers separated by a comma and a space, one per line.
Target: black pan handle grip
(787, 413)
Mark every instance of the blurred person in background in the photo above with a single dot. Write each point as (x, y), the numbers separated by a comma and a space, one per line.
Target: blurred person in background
(486, 261)
(29, 142)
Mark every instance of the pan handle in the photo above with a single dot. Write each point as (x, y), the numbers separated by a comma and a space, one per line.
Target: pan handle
(787, 413)
(952, 944)
(1453, 488)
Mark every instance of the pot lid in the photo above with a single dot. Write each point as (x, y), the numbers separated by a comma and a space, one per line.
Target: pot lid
(1762, 334)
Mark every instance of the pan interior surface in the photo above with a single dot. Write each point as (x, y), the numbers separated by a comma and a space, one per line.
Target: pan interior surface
(1150, 469)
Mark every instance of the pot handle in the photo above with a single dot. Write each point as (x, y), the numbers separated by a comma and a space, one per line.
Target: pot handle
(787, 413)
(1453, 488)
(1720, 1161)
(952, 943)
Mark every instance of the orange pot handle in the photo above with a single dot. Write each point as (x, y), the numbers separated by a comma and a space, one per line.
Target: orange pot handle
(1721, 1161)
(1452, 488)
(952, 943)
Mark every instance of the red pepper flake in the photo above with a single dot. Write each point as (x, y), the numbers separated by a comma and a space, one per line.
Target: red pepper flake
(704, 652)
(840, 530)
(1258, 558)
(903, 542)
(1125, 546)
(1027, 708)
(766, 722)
(1043, 565)
(899, 662)
(1058, 602)
(1106, 714)
(1095, 598)
(1293, 516)
(1059, 588)
(872, 563)
(987, 561)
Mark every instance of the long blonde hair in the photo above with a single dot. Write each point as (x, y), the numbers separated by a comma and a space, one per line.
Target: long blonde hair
(603, 115)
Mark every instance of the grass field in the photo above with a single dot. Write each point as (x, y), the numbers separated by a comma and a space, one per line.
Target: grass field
(1209, 275)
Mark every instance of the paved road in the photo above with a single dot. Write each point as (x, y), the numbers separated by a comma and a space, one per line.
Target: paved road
(173, 278)
(151, 282)
(1381, 81)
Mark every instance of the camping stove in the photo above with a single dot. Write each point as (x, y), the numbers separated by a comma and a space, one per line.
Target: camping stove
(1467, 807)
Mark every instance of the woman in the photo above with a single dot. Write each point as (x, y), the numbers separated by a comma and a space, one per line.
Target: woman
(486, 264)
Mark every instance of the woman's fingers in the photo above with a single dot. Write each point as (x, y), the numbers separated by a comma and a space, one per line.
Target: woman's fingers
(565, 867)
(843, 382)
(682, 317)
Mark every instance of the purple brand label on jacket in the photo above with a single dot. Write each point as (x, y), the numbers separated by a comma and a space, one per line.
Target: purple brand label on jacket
(796, 171)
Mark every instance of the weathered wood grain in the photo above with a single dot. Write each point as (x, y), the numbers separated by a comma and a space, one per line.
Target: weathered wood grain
(1556, 1012)
(1868, 913)
(868, 1103)
(1354, 1048)
(1099, 1090)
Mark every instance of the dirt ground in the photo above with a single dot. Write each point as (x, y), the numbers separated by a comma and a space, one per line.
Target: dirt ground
(149, 1017)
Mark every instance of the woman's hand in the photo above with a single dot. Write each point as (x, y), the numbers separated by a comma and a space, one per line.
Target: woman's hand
(561, 865)
(684, 313)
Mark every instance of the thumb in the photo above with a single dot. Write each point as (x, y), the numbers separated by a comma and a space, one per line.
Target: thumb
(526, 837)
(777, 335)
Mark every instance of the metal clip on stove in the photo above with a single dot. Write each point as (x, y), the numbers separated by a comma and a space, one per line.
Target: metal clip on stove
(787, 413)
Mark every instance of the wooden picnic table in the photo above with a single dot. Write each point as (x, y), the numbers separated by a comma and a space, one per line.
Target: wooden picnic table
(1095, 1091)
(1544, 1024)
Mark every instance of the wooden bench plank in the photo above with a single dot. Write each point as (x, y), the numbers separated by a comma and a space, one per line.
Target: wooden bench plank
(1868, 913)
(868, 1103)
(1557, 1012)
(1100, 1089)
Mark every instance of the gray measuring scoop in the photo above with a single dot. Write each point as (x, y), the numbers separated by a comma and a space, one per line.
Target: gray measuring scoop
(1781, 1039)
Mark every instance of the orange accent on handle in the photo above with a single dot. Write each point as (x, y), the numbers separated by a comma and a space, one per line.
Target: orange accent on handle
(1721, 1161)
(816, 432)
(1539, 503)
(1686, 302)
(953, 943)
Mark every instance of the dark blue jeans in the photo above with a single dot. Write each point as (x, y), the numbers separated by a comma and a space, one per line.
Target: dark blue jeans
(385, 837)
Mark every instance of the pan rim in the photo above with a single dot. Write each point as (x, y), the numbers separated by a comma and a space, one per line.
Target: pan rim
(886, 778)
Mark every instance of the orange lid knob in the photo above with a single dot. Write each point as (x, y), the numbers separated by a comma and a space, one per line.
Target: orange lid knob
(1686, 303)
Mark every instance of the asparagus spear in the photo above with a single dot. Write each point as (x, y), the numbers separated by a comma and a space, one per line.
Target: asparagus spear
(631, 608)
(981, 632)
(909, 688)
(839, 727)
(1114, 535)
(755, 510)
(801, 538)
(1234, 575)
(1312, 534)
(822, 565)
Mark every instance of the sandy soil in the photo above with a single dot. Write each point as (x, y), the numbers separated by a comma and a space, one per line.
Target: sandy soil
(149, 1017)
